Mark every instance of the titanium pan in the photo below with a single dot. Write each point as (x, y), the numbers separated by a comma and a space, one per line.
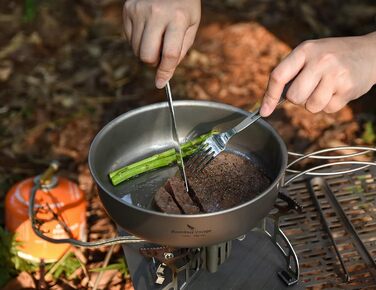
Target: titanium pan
(145, 131)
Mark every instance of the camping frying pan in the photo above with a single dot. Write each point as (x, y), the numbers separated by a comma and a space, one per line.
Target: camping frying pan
(145, 131)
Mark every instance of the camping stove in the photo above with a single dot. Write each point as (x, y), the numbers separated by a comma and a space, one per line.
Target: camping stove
(334, 237)
(249, 258)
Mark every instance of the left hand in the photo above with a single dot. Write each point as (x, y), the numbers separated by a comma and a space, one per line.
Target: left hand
(161, 32)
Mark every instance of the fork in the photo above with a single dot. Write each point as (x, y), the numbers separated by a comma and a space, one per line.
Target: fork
(215, 144)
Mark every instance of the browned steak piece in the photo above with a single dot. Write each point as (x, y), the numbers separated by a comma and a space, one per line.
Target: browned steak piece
(229, 180)
(165, 202)
(175, 186)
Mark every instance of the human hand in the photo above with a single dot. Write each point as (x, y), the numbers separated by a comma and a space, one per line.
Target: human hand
(328, 74)
(161, 32)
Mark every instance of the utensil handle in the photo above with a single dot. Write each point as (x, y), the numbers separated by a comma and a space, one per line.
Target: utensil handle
(179, 154)
(256, 115)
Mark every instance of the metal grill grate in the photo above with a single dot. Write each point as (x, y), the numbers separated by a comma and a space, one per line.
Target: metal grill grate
(320, 267)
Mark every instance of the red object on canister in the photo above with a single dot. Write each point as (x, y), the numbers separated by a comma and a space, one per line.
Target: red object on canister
(61, 208)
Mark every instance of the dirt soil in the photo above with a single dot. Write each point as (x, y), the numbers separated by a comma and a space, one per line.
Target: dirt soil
(67, 71)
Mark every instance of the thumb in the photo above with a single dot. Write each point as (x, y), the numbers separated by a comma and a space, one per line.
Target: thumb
(280, 79)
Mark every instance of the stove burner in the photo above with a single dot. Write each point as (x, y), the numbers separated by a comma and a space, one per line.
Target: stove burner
(321, 266)
(170, 268)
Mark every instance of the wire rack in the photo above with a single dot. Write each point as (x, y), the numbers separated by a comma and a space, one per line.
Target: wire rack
(320, 265)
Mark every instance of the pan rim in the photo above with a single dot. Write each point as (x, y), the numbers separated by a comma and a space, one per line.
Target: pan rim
(178, 103)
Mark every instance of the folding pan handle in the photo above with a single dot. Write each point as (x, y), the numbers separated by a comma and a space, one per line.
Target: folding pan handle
(320, 169)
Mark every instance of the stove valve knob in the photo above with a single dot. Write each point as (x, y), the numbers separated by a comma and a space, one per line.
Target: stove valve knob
(168, 256)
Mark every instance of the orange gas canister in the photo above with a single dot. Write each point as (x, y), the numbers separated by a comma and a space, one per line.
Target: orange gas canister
(60, 209)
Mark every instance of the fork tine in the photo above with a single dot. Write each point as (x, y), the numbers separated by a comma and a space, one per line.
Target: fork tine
(204, 161)
(203, 154)
(196, 156)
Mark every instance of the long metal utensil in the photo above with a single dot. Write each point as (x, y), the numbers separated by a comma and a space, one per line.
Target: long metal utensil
(179, 155)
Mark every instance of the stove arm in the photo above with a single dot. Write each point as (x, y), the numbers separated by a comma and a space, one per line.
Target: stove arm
(270, 226)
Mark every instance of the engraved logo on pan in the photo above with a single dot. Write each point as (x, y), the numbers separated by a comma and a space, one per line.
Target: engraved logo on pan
(191, 231)
(190, 227)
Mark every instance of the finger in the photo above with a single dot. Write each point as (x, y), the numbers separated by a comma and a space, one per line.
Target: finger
(127, 23)
(150, 48)
(128, 29)
(138, 29)
(303, 86)
(172, 45)
(188, 41)
(336, 103)
(321, 96)
(279, 77)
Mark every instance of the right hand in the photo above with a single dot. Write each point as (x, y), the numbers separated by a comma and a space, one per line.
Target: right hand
(328, 73)
(161, 32)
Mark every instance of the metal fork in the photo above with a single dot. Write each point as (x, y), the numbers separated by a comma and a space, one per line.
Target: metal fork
(215, 144)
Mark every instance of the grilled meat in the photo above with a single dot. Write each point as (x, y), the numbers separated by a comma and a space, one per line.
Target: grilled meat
(229, 180)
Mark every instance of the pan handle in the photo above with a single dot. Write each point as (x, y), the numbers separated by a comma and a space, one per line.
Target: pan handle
(318, 170)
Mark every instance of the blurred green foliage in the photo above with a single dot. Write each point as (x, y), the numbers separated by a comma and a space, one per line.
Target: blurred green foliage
(30, 10)
(10, 263)
(66, 267)
(369, 135)
(121, 266)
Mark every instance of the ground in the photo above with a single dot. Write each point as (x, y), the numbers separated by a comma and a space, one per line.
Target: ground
(65, 71)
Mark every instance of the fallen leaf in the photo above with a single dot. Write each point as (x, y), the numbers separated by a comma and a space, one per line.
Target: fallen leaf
(107, 276)
(15, 43)
(6, 69)
(23, 281)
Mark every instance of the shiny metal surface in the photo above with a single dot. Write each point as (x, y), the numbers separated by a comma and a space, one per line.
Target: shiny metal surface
(175, 136)
(217, 143)
(141, 132)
